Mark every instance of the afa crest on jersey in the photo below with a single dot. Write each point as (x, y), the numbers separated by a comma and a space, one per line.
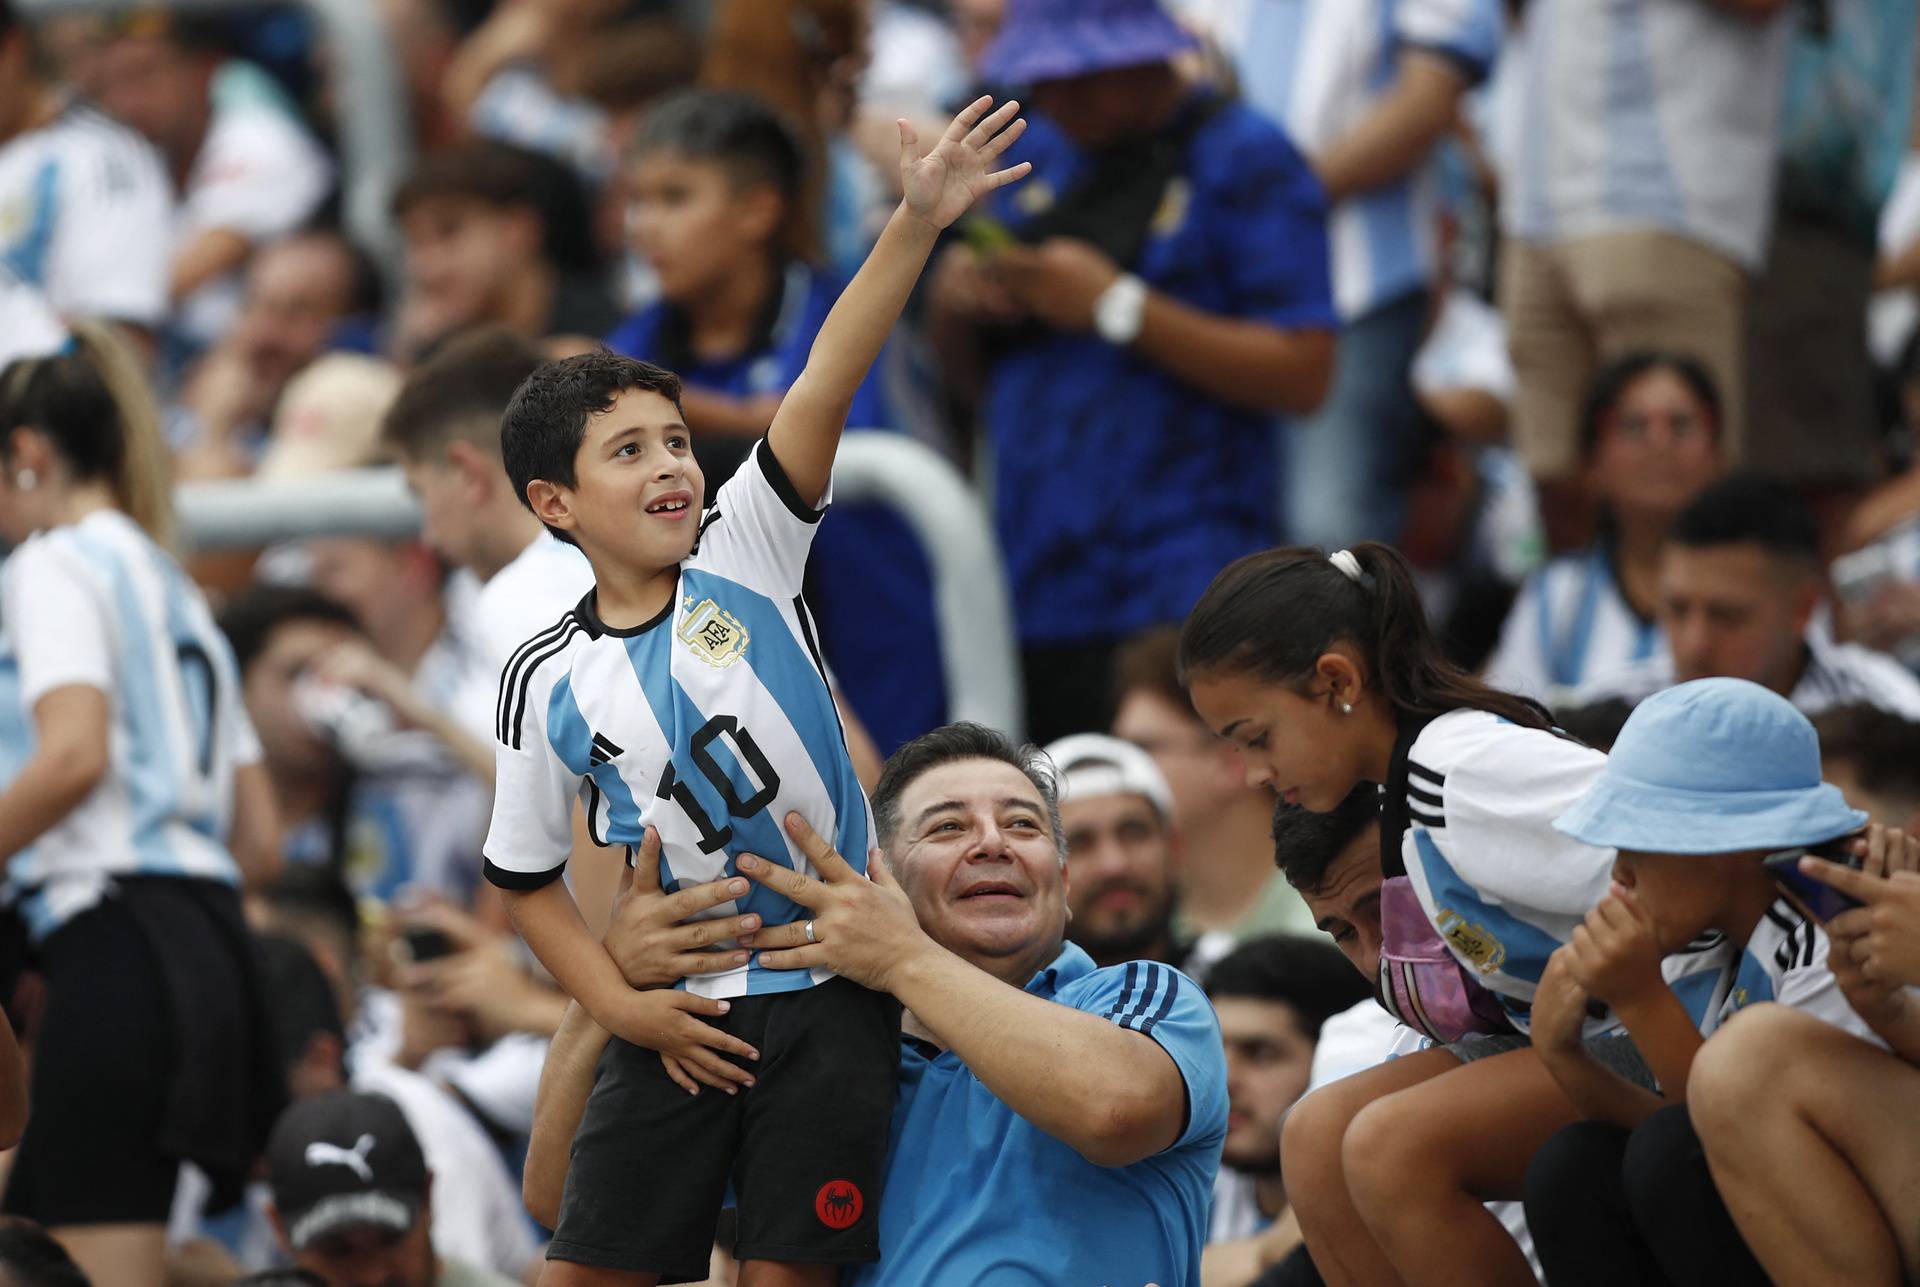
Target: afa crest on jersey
(714, 634)
(1472, 941)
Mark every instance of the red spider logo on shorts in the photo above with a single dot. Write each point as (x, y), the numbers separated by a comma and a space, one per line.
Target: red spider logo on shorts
(838, 1204)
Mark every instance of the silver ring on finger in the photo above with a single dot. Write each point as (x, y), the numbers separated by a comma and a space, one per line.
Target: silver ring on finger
(810, 935)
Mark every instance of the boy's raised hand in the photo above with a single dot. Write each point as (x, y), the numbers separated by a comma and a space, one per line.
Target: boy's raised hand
(939, 186)
(1615, 955)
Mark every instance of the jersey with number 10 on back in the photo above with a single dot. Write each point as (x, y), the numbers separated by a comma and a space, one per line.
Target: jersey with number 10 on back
(711, 723)
(97, 604)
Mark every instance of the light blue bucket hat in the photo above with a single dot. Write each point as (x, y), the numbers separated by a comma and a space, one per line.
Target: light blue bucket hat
(1711, 767)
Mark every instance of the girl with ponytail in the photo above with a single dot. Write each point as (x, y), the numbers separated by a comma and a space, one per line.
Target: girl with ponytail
(1322, 669)
(131, 795)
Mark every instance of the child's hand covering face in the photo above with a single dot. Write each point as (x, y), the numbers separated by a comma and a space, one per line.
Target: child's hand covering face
(1615, 953)
(940, 186)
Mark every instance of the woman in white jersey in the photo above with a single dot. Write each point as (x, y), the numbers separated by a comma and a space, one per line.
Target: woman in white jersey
(129, 784)
(1325, 674)
(1650, 439)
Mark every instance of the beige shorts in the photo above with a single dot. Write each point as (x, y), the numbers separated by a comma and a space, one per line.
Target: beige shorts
(1571, 306)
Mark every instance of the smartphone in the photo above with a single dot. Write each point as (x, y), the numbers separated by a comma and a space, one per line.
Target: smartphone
(1822, 902)
(426, 944)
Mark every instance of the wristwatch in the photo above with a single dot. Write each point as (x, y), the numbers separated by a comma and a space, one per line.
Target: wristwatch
(1119, 310)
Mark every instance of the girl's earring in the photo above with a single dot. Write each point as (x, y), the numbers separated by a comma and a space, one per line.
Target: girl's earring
(26, 480)
(1346, 708)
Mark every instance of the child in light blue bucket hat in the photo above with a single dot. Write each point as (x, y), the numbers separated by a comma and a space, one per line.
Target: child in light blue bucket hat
(1706, 781)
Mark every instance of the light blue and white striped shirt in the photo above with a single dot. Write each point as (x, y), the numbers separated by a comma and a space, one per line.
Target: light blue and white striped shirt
(1316, 68)
(97, 603)
(710, 723)
(1648, 115)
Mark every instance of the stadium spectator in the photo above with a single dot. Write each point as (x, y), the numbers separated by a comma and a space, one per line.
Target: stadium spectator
(1227, 889)
(350, 798)
(353, 1198)
(1272, 996)
(495, 234)
(1874, 758)
(1025, 1071)
(1323, 671)
(445, 428)
(717, 184)
(1811, 408)
(805, 58)
(1637, 207)
(1706, 780)
(1150, 304)
(244, 166)
(133, 807)
(1821, 1183)
(84, 202)
(1740, 586)
(1116, 812)
(1649, 441)
(300, 292)
(1367, 91)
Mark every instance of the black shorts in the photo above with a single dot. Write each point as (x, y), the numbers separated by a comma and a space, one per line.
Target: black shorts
(803, 1149)
(126, 1082)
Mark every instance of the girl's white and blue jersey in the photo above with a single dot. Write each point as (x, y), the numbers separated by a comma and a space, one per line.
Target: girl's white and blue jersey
(1570, 623)
(711, 723)
(98, 603)
(1502, 887)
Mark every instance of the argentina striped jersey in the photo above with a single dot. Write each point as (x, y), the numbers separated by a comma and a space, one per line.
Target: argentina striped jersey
(97, 603)
(710, 723)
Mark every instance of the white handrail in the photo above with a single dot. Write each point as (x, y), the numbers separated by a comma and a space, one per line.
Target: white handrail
(971, 603)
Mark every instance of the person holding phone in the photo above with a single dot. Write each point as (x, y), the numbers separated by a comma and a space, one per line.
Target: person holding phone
(1813, 1134)
(1708, 785)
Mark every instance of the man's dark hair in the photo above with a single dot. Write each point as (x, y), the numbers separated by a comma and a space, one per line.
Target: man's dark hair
(1750, 509)
(511, 178)
(735, 130)
(952, 743)
(288, 1277)
(304, 1005)
(308, 896)
(1613, 380)
(1306, 844)
(547, 418)
(1882, 748)
(1308, 974)
(460, 392)
(1150, 662)
(29, 1257)
(252, 616)
(1598, 723)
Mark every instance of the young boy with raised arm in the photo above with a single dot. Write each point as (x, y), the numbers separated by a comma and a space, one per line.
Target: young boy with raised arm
(683, 699)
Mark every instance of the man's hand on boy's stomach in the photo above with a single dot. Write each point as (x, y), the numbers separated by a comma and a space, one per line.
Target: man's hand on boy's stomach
(653, 938)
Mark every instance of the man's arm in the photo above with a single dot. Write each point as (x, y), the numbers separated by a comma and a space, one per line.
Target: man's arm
(1112, 1095)
(566, 1079)
(1400, 131)
(939, 188)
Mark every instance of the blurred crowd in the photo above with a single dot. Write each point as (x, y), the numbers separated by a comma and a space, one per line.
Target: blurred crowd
(1606, 315)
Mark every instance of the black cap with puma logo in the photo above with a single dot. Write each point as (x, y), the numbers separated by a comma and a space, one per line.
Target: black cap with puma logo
(345, 1160)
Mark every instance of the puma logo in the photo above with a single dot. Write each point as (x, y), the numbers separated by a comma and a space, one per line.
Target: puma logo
(320, 1153)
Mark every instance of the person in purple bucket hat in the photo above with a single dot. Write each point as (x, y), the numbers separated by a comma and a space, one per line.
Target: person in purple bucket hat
(1131, 325)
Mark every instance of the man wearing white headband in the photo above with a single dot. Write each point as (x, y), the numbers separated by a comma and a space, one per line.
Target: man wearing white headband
(1116, 812)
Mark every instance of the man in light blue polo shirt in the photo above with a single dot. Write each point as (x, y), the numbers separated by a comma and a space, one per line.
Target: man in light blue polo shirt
(1057, 1122)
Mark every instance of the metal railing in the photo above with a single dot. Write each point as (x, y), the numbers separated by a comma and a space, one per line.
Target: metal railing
(971, 604)
(371, 99)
